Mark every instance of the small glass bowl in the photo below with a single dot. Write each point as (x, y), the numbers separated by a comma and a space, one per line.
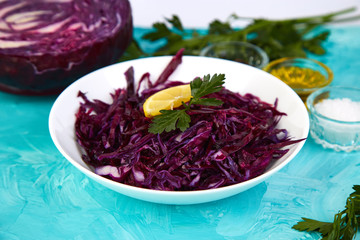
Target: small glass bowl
(242, 52)
(340, 135)
(303, 75)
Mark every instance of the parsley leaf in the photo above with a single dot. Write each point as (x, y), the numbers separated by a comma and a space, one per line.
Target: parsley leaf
(170, 120)
(345, 225)
(162, 31)
(175, 21)
(206, 86)
(310, 225)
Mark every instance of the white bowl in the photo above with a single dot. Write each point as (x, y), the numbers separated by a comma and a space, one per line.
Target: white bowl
(239, 78)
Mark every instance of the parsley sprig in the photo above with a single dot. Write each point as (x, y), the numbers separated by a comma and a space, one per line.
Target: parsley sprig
(170, 120)
(278, 38)
(345, 225)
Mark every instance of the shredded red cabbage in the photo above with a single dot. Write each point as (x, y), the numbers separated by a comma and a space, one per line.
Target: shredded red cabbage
(225, 145)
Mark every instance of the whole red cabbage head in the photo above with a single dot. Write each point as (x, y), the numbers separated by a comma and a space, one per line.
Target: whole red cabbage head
(45, 45)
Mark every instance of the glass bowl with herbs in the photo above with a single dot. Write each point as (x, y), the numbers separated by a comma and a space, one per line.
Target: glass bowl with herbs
(303, 75)
(242, 52)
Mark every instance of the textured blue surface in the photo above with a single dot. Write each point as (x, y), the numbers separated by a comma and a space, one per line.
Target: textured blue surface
(42, 196)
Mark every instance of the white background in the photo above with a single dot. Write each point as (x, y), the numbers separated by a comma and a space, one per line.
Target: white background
(199, 13)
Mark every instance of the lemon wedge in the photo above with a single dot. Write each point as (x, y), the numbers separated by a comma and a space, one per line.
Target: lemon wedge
(166, 99)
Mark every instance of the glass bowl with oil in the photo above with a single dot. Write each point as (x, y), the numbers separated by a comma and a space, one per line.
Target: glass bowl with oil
(303, 75)
(242, 52)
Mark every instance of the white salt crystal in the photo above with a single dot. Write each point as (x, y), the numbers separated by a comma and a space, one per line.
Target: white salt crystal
(341, 109)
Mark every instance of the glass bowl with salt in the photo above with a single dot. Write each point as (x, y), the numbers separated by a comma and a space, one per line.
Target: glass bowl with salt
(335, 118)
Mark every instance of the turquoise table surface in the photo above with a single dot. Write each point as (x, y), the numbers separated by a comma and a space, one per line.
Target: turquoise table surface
(42, 196)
